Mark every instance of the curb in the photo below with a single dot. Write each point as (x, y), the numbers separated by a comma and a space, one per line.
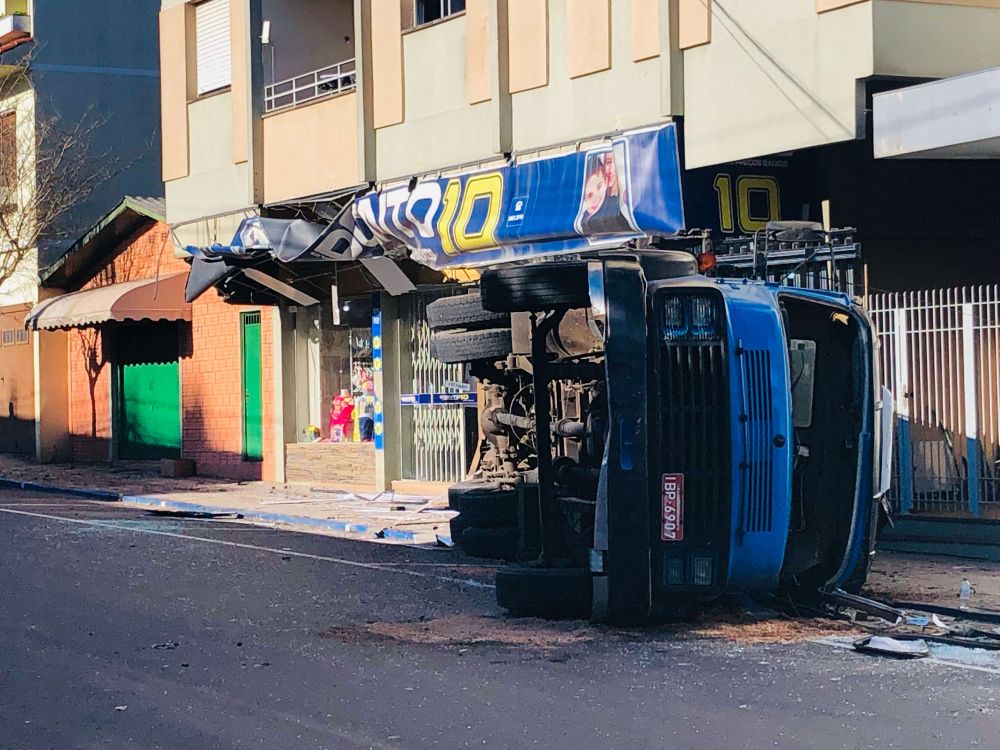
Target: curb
(156, 503)
(104, 495)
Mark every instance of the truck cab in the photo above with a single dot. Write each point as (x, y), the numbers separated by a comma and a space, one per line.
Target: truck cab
(654, 438)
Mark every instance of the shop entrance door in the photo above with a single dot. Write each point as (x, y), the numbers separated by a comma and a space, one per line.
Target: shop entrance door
(253, 397)
(149, 392)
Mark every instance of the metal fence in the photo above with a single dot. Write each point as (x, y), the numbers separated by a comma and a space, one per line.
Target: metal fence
(940, 356)
(292, 92)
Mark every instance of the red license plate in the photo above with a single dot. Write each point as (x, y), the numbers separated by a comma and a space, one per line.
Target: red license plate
(672, 495)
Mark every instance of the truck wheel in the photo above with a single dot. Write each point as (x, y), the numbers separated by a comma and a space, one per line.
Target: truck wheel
(457, 347)
(553, 593)
(498, 543)
(463, 311)
(535, 288)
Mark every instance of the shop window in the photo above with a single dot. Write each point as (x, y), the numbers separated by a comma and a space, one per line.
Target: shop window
(334, 373)
(213, 46)
(426, 11)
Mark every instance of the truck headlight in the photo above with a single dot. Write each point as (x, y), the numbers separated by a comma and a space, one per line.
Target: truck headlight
(690, 317)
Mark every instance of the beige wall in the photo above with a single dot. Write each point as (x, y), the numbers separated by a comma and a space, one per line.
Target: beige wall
(625, 95)
(797, 75)
(215, 184)
(239, 19)
(528, 44)
(645, 29)
(694, 23)
(208, 142)
(51, 355)
(439, 127)
(588, 36)
(774, 82)
(386, 62)
(478, 52)
(173, 92)
(929, 40)
(311, 149)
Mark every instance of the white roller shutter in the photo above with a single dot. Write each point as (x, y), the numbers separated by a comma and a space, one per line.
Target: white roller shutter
(215, 65)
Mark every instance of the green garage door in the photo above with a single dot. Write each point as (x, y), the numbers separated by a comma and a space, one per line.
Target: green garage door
(149, 393)
(253, 390)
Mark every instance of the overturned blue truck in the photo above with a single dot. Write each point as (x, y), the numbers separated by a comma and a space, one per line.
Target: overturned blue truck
(657, 438)
(653, 438)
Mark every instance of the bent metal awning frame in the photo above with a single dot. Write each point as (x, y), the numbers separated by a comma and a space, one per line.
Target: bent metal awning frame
(146, 299)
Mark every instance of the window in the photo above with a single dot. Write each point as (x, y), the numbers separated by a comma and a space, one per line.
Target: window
(8, 150)
(213, 45)
(426, 11)
(14, 337)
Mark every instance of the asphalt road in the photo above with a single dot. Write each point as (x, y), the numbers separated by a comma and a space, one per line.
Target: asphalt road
(123, 630)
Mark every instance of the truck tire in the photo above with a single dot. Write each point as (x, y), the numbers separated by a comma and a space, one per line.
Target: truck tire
(457, 347)
(552, 593)
(463, 311)
(456, 492)
(499, 543)
(489, 510)
(534, 288)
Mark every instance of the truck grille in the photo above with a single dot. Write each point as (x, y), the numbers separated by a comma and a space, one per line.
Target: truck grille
(758, 480)
(694, 430)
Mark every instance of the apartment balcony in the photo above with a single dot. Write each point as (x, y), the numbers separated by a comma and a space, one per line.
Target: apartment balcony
(310, 87)
(311, 133)
(15, 23)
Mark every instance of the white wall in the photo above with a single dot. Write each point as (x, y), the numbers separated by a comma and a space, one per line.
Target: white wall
(22, 285)
(771, 82)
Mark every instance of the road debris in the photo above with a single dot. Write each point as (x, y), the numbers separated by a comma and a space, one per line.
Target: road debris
(881, 645)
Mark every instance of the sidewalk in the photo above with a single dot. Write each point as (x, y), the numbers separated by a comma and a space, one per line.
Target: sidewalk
(356, 512)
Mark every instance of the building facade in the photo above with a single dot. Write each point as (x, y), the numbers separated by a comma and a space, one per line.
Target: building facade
(290, 108)
(88, 78)
(148, 375)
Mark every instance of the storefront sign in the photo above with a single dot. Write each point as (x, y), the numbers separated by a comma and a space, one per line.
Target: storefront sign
(740, 198)
(627, 186)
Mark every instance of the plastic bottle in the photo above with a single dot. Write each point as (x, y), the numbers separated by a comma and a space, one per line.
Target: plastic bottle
(964, 592)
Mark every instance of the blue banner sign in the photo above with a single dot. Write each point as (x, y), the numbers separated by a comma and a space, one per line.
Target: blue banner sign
(626, 186)
(438, 399)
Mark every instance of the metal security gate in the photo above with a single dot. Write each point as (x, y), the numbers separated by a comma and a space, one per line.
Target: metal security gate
(433, 398)
(940, 356)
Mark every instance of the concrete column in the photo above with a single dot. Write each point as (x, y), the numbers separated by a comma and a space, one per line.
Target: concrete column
(971, 388)
(903, 396)
(279, 426)
(385, 355)
(51, 365)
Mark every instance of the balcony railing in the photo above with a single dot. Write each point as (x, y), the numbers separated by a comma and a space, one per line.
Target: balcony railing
(293, 92)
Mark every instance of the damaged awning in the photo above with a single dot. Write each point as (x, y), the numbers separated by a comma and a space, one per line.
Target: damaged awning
(626, 186)
(147, 299)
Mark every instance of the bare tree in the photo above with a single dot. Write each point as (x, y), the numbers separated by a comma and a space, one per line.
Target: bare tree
(48, 167)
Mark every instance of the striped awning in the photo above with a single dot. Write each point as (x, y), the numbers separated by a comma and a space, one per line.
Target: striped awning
(146, 299)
